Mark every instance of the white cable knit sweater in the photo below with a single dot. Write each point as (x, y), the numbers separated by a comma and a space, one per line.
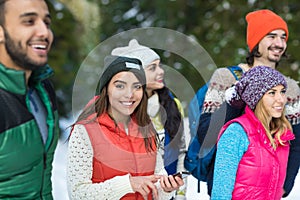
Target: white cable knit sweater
(79, 172)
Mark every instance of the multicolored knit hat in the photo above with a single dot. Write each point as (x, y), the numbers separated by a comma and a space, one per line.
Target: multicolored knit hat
(260, 23)
(256, 82)
(135, 50)
(116, 64)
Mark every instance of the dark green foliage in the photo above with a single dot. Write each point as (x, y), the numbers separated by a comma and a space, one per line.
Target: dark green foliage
(64, 56)
(218, 25)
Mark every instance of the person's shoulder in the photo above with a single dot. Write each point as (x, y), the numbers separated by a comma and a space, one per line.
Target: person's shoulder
(225, 72)
(221, 70)
(79, 131)
(78, 128)
(179, 105)
(222, 75)
(293, 90)
(235, 130)
(292, 85)
(235, 127)
(234, 134)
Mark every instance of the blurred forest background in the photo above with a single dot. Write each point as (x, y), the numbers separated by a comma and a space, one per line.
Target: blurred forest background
(218, 25)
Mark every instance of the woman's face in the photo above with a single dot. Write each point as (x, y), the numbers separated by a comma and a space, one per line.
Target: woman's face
(125, 92)
(274, 101)
(154, 76)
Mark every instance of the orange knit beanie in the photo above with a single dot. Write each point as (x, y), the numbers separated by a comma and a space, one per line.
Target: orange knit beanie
(260, 23)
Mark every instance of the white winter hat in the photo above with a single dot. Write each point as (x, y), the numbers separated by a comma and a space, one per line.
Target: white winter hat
(135, 50)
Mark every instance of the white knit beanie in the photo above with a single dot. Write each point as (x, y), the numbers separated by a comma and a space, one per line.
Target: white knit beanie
(135, 50)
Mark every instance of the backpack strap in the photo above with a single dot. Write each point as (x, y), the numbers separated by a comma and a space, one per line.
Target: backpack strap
(236, 71)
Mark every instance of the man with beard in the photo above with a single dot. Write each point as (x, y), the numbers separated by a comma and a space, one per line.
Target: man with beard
(267, 36)
(28, 119)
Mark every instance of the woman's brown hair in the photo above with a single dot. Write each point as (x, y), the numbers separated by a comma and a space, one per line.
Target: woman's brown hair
(101, 104)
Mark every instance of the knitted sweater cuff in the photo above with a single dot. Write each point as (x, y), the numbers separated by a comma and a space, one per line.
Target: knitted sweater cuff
(123, 184)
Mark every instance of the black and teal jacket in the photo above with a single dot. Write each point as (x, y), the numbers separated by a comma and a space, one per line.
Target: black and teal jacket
(25, 161)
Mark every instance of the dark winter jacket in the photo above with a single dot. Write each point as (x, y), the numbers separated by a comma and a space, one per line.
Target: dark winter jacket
(25, 161)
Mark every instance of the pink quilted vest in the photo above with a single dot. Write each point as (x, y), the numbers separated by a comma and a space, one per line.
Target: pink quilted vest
(262, 170)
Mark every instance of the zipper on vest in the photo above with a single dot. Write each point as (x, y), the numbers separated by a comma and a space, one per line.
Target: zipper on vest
(135, 161)
(43, 174)
(45, 159)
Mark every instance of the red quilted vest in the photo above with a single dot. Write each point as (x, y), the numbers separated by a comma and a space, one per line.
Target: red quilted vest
(117, 154)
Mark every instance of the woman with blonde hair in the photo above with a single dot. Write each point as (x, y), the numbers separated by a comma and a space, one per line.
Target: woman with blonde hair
(252, 150)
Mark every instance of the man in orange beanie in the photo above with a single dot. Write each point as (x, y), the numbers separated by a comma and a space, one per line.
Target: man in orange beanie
(261, 23)
(267, 36)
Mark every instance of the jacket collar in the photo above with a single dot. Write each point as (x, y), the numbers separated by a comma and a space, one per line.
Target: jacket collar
(105, 120)
(251, 115)
(14, 80)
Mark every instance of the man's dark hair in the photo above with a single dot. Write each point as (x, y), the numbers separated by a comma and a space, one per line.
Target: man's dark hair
(255, 53)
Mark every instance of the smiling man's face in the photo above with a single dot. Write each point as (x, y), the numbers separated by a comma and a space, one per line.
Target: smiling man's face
(26, 34)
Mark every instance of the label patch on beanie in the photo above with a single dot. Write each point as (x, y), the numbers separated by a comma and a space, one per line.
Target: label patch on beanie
(132, 65)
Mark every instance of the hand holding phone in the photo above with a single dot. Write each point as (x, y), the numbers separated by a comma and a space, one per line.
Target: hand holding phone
(182, 174)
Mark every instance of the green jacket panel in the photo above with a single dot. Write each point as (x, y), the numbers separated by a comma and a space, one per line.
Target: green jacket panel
(26, 162)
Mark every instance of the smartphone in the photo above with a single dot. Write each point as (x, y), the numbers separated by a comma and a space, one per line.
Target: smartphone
(182, 174)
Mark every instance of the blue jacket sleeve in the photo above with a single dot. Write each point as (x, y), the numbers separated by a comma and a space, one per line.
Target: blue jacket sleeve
(231, 147)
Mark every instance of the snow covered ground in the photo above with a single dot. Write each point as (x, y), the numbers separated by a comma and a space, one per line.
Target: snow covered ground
(60, 188)
(193, 195)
